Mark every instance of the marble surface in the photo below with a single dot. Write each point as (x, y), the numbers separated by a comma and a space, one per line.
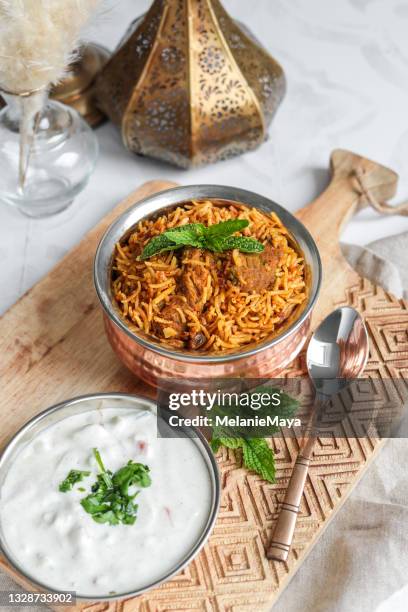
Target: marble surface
(347, 69)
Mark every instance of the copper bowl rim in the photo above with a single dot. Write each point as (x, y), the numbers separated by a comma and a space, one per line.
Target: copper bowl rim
(177, 195)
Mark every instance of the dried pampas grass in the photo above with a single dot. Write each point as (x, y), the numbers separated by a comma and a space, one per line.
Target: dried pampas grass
(38, 40)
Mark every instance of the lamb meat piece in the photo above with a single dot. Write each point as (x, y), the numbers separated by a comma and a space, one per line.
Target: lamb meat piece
(194, 278)
(174, 328)
(256, 272)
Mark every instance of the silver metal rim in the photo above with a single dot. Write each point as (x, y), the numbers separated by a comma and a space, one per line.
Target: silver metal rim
(169, 198)
(216, 496)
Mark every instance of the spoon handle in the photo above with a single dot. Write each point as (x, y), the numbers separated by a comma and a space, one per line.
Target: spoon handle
(285, 526)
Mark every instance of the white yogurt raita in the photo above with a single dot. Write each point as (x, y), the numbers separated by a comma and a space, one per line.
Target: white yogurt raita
(56, 542)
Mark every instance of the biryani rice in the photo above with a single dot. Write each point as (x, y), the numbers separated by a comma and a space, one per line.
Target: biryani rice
(228, 316)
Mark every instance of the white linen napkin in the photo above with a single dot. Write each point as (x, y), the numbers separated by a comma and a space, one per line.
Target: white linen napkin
(384, 262)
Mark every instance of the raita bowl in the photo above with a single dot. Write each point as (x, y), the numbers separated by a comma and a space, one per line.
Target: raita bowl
(94, 404)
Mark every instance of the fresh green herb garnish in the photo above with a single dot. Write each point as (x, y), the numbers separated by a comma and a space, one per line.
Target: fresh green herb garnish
(73, 477)
(130, 475)
(99, 461)
(256, 453)
(109, 500)
(246, 245)
(217, 238)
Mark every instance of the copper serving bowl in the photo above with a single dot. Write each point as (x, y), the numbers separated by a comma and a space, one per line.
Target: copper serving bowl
(154, 362)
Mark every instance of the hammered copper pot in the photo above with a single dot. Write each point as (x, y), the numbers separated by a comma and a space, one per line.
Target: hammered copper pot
(153, 362)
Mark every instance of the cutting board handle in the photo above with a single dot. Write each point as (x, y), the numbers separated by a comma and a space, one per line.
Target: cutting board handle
(334, 207)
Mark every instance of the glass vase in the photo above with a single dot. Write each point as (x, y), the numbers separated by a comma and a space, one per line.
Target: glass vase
(47, 154)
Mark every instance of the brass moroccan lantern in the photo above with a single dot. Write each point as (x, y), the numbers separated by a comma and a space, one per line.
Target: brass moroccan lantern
(189, 86)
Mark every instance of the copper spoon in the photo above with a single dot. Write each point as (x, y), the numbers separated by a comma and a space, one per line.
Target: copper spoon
(337, 353)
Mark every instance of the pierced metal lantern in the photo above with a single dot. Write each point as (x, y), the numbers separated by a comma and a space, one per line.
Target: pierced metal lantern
(189, 86)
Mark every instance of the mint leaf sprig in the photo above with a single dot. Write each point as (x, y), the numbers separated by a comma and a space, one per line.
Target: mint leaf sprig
(217, 238)
(256, 453)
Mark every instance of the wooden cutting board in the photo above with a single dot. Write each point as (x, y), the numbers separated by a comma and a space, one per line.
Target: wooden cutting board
(53, 347)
